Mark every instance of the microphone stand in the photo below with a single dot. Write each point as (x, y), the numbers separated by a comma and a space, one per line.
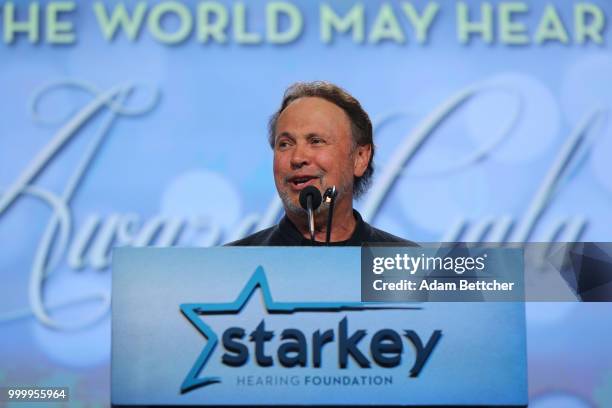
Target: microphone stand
(311, 224)
(330, 198)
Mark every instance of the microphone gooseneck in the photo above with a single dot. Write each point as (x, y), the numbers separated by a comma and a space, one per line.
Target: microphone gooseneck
(330, 198)
(310, 200)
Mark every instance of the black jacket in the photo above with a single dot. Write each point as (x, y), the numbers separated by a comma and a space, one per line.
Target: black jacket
(286, 234)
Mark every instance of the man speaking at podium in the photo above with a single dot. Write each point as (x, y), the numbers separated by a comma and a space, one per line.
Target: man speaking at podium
(323, 151)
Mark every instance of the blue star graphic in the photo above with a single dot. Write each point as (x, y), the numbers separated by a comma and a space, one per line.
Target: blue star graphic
(192, 311)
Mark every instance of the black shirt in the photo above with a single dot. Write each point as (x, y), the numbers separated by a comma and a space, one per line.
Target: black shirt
(285, 233)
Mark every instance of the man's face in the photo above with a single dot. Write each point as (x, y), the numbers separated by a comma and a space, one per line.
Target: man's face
(313, 145)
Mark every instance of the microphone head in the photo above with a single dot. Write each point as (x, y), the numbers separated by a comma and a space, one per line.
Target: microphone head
(315, 195)
(330, 194)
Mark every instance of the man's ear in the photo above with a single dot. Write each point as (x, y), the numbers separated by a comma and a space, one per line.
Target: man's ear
(362, 158)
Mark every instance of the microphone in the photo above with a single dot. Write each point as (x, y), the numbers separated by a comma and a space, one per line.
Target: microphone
(310, 200)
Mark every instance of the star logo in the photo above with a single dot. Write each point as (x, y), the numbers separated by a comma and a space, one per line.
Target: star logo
(193, 311)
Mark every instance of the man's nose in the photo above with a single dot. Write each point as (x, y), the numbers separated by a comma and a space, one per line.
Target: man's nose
(300, 156)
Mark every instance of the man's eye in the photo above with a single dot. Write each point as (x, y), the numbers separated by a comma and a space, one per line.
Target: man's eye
(282, 144)
(316, 140)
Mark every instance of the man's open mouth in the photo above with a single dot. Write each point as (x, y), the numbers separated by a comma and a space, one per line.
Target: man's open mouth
(301, 180)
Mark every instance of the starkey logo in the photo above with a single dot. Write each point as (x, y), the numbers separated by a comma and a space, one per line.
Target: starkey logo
(386, 345)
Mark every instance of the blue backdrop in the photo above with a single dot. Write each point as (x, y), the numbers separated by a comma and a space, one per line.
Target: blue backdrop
(491, 124)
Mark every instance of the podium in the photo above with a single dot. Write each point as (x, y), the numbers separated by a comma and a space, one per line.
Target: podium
(285, 326)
